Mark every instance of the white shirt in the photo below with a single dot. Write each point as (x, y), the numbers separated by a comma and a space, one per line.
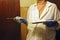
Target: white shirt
(40, 31)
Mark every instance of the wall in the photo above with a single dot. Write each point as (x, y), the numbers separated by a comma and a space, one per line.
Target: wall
(23, 11)
(26, 3)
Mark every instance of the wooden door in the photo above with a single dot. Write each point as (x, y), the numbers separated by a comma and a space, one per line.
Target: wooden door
(9, 29)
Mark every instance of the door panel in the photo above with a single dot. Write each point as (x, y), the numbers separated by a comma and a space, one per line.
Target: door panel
(9, 29)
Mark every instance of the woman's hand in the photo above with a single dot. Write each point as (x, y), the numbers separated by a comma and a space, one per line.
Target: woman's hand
(51, 23)
(20, 19)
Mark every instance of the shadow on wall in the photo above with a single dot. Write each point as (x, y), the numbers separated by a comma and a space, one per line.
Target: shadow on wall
(23, 12)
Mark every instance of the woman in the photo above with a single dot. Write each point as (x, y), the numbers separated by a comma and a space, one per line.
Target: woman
(42, 10)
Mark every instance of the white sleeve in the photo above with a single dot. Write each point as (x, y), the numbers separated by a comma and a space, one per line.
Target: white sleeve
(29, 15)
(57, 16)
(30, 18)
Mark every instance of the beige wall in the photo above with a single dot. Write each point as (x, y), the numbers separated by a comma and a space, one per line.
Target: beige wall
(26, 3)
